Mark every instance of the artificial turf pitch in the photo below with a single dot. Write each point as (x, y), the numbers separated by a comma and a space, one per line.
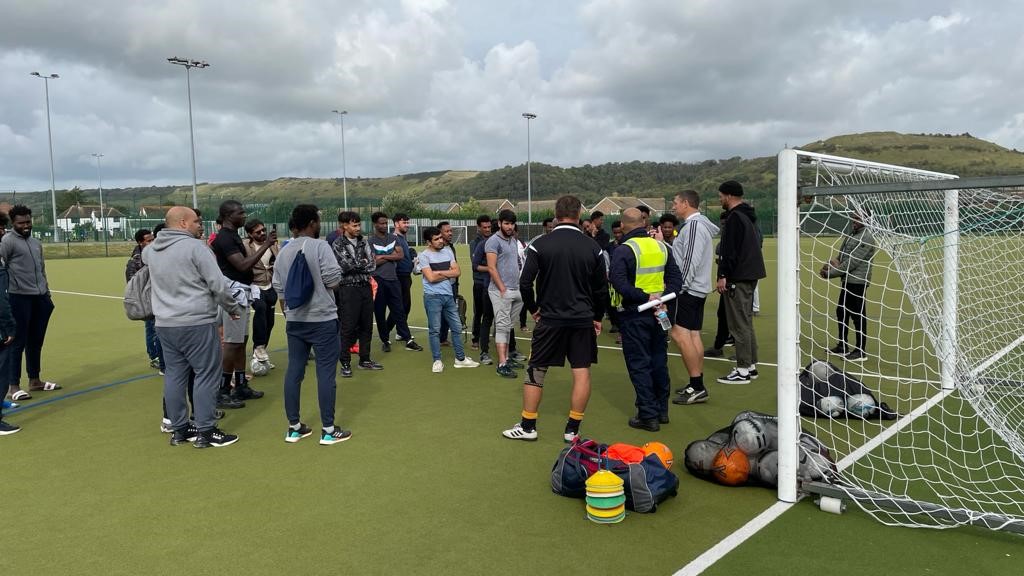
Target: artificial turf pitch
(427, 485)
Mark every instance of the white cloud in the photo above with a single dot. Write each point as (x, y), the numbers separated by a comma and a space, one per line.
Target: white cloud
(432, 84)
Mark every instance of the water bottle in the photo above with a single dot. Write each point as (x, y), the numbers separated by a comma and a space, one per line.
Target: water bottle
(662, 316)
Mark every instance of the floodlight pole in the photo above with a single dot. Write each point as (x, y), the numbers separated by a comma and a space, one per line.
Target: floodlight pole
(188, 65)
(529, 180)
(49, 136)
(344, 171)
(103, 212)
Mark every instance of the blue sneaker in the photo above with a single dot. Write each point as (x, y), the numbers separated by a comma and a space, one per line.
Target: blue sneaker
(339, 435)
(294, 435)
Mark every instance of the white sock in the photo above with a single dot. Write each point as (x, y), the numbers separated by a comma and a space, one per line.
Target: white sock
(752, 367)
(295, 426)
(329, 430)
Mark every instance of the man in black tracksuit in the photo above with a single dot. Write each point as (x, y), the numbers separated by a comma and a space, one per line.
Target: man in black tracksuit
(569, 269)
(741, 266)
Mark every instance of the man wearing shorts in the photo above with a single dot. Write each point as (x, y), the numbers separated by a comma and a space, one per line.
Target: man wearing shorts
(570, 275)
(237, 265)
(693, 253)
(641, 271)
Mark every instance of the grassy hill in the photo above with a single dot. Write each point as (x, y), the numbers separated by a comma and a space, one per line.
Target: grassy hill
(959, 154)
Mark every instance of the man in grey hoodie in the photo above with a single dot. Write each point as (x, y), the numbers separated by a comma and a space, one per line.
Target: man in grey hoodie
(314, 325)
(30, 302)
(692, 250)
(188, 290)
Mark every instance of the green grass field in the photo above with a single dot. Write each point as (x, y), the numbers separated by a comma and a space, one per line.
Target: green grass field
(426, 485)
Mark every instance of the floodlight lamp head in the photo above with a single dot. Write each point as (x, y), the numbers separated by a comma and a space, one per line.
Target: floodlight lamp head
(529, 116)
(35, 74)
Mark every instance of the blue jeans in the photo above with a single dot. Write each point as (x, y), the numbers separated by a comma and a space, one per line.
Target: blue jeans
(324, 339)
(436, 306)
(153, 348)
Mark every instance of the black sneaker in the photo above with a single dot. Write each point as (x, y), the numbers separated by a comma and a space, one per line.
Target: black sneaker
(839, 349)
(413, 346)
(214, 437)
(514, 364)
(184, 435)
(730, 341)
(713, 353)
(227, 402)
(650, 424)
(856, 355)
(346, 370)
(663, 419)
(370, 365)
(7, 428)
(734, 377)
(505, 371)
(244, 392)
(690, 396)
(752, 373)
(386, 347)
(292, 435)
(338, 435)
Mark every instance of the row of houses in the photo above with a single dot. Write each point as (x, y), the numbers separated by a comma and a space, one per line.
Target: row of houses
(609, 205)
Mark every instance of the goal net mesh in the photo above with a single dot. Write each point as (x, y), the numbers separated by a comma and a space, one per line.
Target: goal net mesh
(959, 447)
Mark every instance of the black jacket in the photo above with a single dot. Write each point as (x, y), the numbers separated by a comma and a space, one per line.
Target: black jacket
(622, 275)
(741, 257)
(571, 281)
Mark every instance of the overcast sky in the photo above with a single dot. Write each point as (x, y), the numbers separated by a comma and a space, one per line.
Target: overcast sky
(441, 84)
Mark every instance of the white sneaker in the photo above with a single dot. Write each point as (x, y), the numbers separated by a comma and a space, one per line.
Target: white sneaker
(517, 433)
(165, 426)
(466, 362)
(437, 367)
(260, 353)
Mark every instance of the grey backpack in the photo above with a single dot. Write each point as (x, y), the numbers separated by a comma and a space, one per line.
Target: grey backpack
(138, 296)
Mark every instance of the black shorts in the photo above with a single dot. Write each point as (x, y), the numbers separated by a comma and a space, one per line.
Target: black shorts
(688, 312)
(552, 345)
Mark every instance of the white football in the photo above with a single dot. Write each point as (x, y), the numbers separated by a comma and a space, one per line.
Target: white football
(861, 405)
(259, 368)
(832, 406)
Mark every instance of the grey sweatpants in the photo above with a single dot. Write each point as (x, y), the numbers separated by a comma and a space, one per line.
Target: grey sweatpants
(739, 312)
(191, 349)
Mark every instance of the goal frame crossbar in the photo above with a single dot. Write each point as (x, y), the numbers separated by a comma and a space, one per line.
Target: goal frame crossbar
(918, 186)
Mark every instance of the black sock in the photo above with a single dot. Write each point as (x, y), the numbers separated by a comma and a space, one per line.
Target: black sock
(572, 426)
(528, 424)
(240, 381)
(225, 385)
(697, 382)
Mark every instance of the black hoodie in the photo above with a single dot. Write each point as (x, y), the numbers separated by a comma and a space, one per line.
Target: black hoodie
(741, 246)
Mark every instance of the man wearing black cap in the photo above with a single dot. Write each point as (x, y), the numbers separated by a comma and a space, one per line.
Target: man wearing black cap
(741, 266)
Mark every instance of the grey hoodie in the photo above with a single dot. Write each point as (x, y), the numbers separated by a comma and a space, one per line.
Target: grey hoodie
(693, 252)
(187, 283)
(24, 257)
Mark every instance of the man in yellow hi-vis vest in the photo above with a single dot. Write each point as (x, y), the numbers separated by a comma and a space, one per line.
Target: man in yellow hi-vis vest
(642, 270)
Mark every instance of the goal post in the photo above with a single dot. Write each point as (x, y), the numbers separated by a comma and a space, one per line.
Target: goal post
(945, 318)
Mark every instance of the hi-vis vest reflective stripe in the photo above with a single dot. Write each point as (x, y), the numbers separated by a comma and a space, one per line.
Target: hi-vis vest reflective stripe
(651, 257)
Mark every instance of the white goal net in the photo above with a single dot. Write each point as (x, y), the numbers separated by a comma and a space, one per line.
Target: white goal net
(943, 337)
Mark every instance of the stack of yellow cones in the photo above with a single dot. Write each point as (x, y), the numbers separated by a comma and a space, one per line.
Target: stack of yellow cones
(606, 501)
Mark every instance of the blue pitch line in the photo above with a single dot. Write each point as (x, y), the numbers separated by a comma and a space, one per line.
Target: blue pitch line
(22, 407)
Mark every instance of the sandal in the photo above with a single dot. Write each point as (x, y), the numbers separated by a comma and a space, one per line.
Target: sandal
(45, 387)
(20, 395)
